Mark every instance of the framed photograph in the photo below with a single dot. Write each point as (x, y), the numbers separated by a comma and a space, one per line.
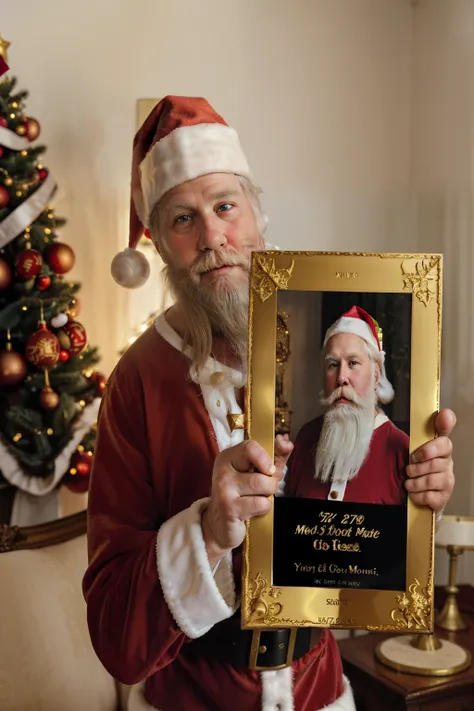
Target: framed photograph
(344, 359)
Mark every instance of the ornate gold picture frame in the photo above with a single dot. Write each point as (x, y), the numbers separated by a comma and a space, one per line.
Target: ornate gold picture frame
(276, 278)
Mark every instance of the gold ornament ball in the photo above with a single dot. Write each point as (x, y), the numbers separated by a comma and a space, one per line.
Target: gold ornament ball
(64, 340)
(8, 182)
(75, 308)
(12, 368)
(49, 400)
(32, 129)
(6, 275)
(21, 130)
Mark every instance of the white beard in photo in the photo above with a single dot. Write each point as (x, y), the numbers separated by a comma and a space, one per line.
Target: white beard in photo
(345, 436)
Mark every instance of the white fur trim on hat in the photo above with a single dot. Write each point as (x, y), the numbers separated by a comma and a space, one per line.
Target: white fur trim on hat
(130, 268)
(356, 326)
(187, 153)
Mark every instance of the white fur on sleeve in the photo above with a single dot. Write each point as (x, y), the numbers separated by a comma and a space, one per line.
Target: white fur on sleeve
(197, 597)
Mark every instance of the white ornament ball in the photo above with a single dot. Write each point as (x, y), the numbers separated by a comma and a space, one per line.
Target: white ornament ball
(59, 321)
(130, 268)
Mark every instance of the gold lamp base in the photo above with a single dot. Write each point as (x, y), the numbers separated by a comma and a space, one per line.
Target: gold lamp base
(425, 657)
(449, 617)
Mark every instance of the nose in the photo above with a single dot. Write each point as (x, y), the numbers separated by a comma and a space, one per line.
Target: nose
(342, 375)
(212, 235)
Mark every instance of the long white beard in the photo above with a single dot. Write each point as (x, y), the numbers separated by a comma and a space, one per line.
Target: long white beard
(209, 313)
(345, 436)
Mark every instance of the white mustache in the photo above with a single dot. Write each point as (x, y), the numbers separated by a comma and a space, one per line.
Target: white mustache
(216, 259)
(346, 392)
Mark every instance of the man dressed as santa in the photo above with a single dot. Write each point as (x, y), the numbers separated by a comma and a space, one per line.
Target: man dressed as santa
(173, 482)
(353, 452)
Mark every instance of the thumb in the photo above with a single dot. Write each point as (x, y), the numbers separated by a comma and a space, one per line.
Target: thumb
(445, 422)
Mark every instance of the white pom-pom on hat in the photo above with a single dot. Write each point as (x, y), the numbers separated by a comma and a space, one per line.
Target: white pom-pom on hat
(130, 268)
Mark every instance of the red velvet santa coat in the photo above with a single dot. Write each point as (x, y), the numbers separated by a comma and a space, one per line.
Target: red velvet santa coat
(379, 480)
(149, 587)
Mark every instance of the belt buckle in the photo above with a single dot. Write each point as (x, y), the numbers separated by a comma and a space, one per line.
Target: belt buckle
(256, 649)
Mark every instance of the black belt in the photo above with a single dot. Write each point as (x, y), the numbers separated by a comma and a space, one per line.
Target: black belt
(255, 649)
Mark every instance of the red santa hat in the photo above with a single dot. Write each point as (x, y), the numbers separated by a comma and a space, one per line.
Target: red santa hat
(360, 323)
(182, 139)
(3, 66)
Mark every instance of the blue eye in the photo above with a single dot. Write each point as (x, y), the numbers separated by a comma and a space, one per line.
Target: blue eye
(225, 207)
(182, 219)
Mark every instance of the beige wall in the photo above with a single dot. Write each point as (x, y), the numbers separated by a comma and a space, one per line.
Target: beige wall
(443, 150)
(318, 89)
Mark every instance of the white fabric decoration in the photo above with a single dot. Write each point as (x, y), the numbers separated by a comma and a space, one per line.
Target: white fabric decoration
(10, 139)
(27, 212)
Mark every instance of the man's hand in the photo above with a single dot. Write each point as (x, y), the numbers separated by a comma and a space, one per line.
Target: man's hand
(431, 477)
(244, 477)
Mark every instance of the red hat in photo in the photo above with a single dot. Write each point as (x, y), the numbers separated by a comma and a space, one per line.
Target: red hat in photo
(360, 323)
(3, 66)
(182, 139)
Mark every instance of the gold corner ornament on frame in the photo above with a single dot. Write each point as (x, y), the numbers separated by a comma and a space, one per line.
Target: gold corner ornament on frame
(319, 560)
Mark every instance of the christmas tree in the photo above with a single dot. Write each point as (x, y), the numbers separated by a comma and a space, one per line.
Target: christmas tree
(49, 389)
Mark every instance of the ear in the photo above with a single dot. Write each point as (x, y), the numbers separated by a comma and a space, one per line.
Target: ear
(147, 234)
(377, 375)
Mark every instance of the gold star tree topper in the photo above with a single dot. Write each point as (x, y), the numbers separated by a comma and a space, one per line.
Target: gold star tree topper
(4, 45)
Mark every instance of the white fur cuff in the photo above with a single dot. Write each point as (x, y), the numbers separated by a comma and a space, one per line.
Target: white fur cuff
(346, 700)
(197, 598)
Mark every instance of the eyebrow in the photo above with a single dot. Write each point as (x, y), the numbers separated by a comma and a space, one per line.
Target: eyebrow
(220, 195)
(349, 357)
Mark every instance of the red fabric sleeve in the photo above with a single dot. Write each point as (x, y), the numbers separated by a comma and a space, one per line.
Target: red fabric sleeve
(131, 626)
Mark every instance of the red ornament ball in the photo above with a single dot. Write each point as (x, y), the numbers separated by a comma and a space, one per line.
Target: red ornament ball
(33, 129)
(64, 356)
(6, 275)
(28, 264)
(4, 197)
(43, 174)
(1, 151)
(77, 478)
(13, 368)
(42, 349)
(77, 336)
(60, 258)
(83, 463)
(3, 122)
(100, 381)
(43, 283)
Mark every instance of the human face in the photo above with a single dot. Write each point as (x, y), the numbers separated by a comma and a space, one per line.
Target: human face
(205, 215)
(348, 364)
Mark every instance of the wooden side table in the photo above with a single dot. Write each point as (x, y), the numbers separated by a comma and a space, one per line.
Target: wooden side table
(377, 687)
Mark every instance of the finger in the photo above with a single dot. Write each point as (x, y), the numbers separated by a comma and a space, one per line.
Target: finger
(252, 506)
(445, 422)
(283, 450)
(430, 467)
(256, 484)
(434, 499)
(440, 481)
(439, 447)
(243, 457)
